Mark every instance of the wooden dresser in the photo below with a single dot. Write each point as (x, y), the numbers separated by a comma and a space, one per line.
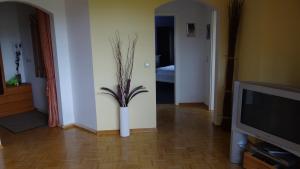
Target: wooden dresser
(16, 100)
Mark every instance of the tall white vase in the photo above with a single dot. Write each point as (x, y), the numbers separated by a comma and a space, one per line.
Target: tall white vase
(124, 122)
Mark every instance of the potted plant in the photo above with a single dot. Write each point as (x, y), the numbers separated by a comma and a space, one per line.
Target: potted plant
(123, 95)
(17, 62)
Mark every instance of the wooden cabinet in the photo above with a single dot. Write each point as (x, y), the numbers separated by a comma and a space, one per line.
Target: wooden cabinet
(16, 99)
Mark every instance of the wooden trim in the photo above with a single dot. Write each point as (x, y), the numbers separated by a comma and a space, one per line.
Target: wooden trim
(80, 127)
(107, 132)
(85, 128)
(203, 105)
(143, 130)
(190, 104)
(132, 131)
(68, 126)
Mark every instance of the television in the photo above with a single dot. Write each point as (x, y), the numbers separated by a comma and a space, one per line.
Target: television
(268, 112)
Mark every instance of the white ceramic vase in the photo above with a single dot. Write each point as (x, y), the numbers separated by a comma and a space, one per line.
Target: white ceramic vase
(124, 122)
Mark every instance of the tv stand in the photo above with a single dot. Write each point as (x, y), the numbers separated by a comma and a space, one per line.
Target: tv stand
(239, 144)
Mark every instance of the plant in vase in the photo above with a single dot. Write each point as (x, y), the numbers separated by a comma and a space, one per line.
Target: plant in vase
(17, 62)
(123, 95)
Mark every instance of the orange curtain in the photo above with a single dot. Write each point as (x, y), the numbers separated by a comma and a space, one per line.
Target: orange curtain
(47, 52)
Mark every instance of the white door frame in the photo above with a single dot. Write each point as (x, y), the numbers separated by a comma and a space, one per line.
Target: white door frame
(213, 61)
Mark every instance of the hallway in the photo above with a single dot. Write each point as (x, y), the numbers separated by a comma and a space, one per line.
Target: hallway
(185, 139)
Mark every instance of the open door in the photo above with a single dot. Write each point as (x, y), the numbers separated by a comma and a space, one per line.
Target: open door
(2, 77)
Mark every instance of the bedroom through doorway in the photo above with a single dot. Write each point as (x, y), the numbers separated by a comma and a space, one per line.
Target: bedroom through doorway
(165, 61)
(186, 47)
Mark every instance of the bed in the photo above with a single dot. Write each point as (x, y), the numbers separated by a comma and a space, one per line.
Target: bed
(165, 74)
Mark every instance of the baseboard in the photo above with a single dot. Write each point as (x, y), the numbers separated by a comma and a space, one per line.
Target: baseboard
(85, 128)
(79, 126)
(203, 105)
(107, 132)
(132, 131)
(68, 126)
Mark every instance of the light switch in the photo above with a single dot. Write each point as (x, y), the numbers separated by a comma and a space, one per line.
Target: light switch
(147, 65)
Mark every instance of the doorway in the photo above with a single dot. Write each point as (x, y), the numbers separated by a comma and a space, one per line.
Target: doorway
(26, 53)
(195, 49)
(165, 60)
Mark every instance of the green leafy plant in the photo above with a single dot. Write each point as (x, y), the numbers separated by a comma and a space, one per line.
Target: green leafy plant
(123, 94)
(14, 81)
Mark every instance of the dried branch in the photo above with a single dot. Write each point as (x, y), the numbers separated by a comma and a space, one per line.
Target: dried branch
(124, 71)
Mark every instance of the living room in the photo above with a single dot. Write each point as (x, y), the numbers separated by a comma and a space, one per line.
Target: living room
(177, 137)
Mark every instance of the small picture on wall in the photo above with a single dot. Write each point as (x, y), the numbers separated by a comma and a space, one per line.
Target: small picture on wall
(190, 30)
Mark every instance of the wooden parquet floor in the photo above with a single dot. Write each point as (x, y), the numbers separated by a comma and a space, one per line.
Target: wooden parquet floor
(185, 139)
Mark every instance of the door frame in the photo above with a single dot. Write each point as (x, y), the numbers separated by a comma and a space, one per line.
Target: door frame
(174, 50)
(61, 56)
(213, 68)
(2, 80)
(213, 61)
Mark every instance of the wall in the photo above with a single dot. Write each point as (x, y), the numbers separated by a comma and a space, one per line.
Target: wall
(135, 16)
(128, 18)
(38, 84)
(9, 36)
(269, 42)
(192, 53)
(82, 63)
(61, 55)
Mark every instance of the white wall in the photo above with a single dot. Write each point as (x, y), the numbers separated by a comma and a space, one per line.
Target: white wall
(56, 8)
(38, 84)
(9, 36)
(82, 63)
(192, 54)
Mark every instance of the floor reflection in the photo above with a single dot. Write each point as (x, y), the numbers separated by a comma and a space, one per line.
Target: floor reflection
(185, 139)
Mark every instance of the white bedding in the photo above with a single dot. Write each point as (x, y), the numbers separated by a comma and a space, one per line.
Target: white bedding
(165, 74)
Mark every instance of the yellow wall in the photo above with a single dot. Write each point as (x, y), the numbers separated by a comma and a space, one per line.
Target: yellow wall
(129, 17)
(269, 42)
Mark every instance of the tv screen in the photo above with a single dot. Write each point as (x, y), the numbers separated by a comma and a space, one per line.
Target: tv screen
(272, 114)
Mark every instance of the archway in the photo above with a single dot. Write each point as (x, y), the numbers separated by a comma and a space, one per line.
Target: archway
(208, 31)
(61, 58)
(57, 12)
(31, 88)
